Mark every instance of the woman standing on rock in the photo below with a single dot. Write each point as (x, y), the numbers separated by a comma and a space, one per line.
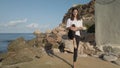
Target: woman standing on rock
(74, 25)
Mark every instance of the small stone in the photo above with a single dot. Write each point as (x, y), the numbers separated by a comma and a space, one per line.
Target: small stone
(56, 50)
(110, 58)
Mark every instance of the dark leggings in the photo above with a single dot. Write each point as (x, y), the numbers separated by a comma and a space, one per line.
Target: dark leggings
(71, 35)
(77, 38)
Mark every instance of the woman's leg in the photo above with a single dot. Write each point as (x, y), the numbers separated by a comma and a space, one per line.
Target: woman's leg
(77, 39)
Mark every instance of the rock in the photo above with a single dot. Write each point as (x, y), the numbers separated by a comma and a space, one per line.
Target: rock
(17, 44)
(51, 41)
(65, 37)
(98, 54)
(117, 62)
(86, 48)
(81, 48)
(21, 51)
(32, 42)
(90, 37)
(60, 28)
(91, 29)
(59, 38)
(68, 45)
(61, 47)
(23, 55)
(116, 51)
(62, 33)
(109, 49)
(110, 58)
(36, 32)
(54, 31)
(36, 52)
(62, 25)
(48, 31)
(56, 50)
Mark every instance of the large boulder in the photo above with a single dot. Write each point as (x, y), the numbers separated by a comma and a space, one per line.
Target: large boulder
(84, 47)
(110, 58)
(51, 39)
(17, 45)
(68, 45)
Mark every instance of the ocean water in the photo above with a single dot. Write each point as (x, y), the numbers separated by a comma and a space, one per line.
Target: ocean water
(5, 39)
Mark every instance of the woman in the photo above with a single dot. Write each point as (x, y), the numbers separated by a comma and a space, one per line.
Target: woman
(74, 25)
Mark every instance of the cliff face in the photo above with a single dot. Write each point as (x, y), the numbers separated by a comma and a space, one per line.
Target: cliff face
(86, 11)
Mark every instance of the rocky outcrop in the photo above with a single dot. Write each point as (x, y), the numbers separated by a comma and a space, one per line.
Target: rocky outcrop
(58, 38)
(86, 12)
(20, 51)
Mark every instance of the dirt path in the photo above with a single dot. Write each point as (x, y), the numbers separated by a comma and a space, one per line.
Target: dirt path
(62, 60)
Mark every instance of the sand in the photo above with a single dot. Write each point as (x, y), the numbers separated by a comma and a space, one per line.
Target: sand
(64, 60)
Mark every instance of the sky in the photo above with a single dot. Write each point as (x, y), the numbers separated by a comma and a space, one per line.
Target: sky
(26, 16)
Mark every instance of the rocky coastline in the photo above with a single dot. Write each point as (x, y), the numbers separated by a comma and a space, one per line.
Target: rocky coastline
(56, 41)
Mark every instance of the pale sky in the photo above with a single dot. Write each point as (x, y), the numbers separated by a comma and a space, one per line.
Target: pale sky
(25, 16)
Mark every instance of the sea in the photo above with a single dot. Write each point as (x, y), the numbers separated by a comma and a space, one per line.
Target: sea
(6, 38)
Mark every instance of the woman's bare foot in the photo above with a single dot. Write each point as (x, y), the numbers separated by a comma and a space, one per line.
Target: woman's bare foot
(74, 65)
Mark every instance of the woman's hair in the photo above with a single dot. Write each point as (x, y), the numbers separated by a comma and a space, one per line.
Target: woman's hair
(72, 16)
